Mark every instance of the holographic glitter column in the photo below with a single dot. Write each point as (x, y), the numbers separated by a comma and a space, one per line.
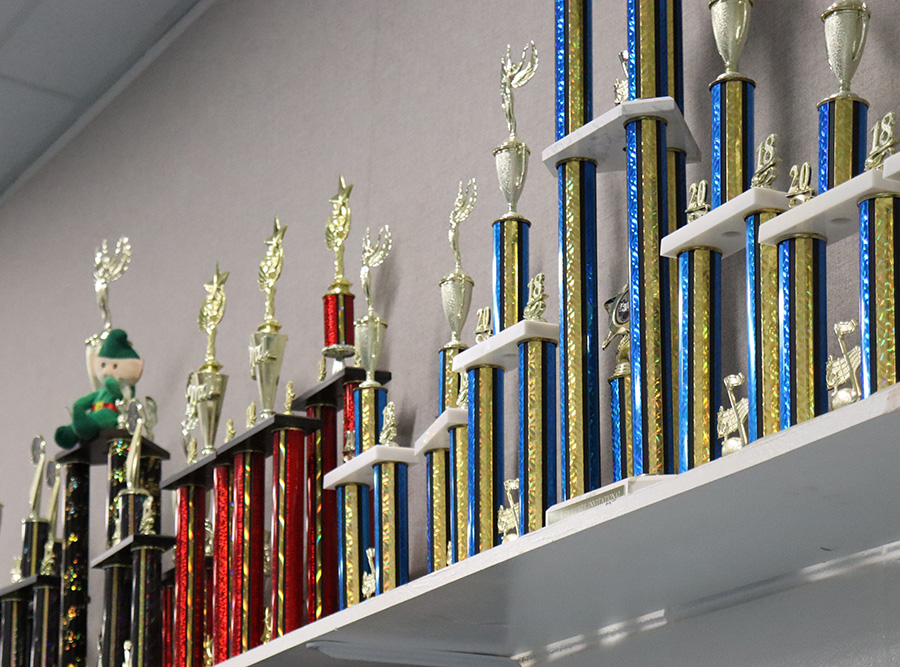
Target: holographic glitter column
(350, 417)
(510, 271)
(485, 456)
(221, 579)
(338, 307)
(353, 529)
(620, 408)
(449, 380)
(842, 139)
(652, 58)
(117, 452)
(116, 614)
(537, 431)
(802, 343)
(763, 358)
(75, 566)
(437, 503)
(700, 341)
(321, 516)
(168, 618)
(287, 530)
(391, 526)
(190, 575)
(247, 550)
(45, 622)
(732, 137)
(579, 345)
(459, 493)
(879, 270)
(369, 403)
(15, 630)
(146, 615)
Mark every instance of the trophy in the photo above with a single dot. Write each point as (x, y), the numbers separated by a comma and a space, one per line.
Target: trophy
(456, 297)
(844, 369)
(266, 344)
(35, 529)
(730, 20)
(52, 547)
(370, 327)
(130, 500)
(338, 301)
(511, 230)
(107, 268)
(206, 387)
(508, 521)
(732, 420)
(617, 309)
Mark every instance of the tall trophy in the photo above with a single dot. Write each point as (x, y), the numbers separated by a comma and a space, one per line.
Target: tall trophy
(511, 230)
(266, 344)
(338, 301)
(206, 387)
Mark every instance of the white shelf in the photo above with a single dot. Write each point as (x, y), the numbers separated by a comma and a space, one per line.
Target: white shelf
(437, 435)
(603, 139)
(361, 468)
(833, 215)
(723, 228)
(816, 492)
(503, 349)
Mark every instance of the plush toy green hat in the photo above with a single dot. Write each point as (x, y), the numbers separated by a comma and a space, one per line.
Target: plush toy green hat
(117, 346)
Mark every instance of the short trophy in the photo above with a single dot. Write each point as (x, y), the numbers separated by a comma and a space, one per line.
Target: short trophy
(266, 344)
(732, 419)
(338, 301)
(844, 369)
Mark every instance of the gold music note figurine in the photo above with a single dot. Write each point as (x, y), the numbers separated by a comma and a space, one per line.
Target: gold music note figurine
(39, 460)
(733, 418)
(620, 87)
(767, 161)
(508, 517)
(389, 426)
(512, 155)
(462, 398)
(336, 232)
(289, 397)
(251, 414)
(148, 517)
(883, 142)
(107, 268)
(266, 344)
(537, 298)
(801, 190)
(368, 582)
(698, 205)
(845, 369)
(229, 430)
(483, 329)
(370, 327)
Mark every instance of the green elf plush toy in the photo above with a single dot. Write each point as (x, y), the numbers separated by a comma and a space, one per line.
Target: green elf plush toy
(117, 366)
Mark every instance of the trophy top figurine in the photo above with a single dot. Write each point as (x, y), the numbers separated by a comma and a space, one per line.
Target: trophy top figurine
(211, 313)
(698, 205)
(456, 287)
(767, 161)
(389, 427)
(269, 272)
(884, 142)
(336, 232)
(515, 75)
(537, 298)
(107, 268)
(373, 255)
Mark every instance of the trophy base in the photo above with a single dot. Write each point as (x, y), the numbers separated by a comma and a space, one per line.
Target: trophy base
(601, 496)
(731, 76)
(338, 351)
(847, 95)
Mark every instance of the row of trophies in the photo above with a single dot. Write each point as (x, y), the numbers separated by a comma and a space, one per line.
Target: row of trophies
(339, 526)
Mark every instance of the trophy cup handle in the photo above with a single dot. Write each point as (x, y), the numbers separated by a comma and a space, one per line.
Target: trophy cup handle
(857, 51)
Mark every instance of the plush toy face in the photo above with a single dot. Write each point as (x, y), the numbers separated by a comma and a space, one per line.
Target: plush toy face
(124, 370)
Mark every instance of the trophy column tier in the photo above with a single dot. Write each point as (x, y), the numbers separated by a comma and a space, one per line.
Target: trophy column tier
(842, 139)
(353, 538)
(150, 474)
(437, 503)
(459, 492)
(75, 568)
(338, 309)
(15, 628)
(34, 536)
(369, 404)
(190, 575)
(321, 515)
(221, 580)
(510, 271)
(146, 615)
(700, 278)
(622, 427)
(248, 506)
(763, 359)
(116, 614)
(732, 137)
(802, 342)
(45, 622)
(288, 488)
(879, 273)
(391, 526)
(537, 431)
(578, 325)
(485, 456)
(168, 618)
(651, 356)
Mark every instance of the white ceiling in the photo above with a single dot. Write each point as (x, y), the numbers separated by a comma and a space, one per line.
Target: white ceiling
(58, 57)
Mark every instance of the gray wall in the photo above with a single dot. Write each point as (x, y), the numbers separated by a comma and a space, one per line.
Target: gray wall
(254, 112)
